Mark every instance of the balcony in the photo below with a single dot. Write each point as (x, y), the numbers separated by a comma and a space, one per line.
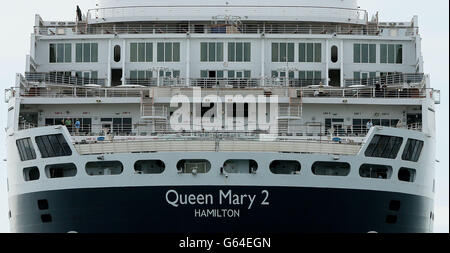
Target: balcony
(57, 78)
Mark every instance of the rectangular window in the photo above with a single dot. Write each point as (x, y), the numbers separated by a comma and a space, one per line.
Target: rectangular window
(211, 52)
(60, 53)
(364, 53)
(391, 53)
(141, 52)
(168, 52)
(310, 52)
(26, 149)
(283, 52)
(383, 146)
(86, 52)
(53, 146)
(412, 151)
(239, 52)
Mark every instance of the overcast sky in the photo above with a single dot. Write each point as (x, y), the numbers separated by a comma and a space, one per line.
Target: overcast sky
(17, 24)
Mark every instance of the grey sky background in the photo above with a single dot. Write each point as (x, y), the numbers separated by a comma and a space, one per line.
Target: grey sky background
(17, 24)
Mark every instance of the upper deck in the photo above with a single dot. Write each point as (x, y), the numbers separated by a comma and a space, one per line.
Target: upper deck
(338, 11)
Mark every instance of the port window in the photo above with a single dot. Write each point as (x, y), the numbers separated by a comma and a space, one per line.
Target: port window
(60, 53)
(383, 146)
(86, 52)
(43, 204)
(375, 171)
(334, 54)
(53, 146)
(407, 175)
(149, 167)
(412, 151)
(193, 166)
(31, 174)
(285, 167)
(240, 166)
(364, 53)
(117, 53)
(108, 168)
(310, 52)
(331, 169)
(61, 170)
(26, 149)
(141, 52)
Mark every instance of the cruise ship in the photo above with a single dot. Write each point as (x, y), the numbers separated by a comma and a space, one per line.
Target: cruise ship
(218, 116)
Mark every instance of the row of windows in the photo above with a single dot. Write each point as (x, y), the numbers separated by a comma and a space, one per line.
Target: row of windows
(148, 74)
(237, 52)
(383, 146)
(279, 167)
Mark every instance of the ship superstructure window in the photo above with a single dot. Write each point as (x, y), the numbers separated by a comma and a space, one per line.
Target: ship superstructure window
(141, 74)
(375, 171)
(120, 125)
(412, 151)
(211, 51)
(407, 175)
(60, 53)
(240, 166)
(310, 75)
(87, 52)
(26, 149)
(117, 53)
(239, 52)
(283, 52)
(211, 73)
(331, 169)
(193, 166)
(285, 167)
(360, 125)
(391, 53)
(107, 168)
(61, 170)
(364, 53)
(53, 146)
(149, 167)
(85, 127)
(334, 54)
(168, 52)
(310, 52)
(383, 146)
(239, 74)
(141, 52)
(31, 174)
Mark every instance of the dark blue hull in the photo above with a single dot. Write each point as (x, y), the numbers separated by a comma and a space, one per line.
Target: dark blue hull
(273, 210)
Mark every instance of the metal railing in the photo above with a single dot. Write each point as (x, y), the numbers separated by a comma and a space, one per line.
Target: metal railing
(55, 78)
(395, 79)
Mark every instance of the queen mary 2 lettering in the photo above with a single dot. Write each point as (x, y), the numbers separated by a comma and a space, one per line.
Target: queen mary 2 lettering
(216, 116)
(224, 198)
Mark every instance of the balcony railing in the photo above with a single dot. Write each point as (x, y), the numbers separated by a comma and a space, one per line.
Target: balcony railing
(395, 79)
(55, 78)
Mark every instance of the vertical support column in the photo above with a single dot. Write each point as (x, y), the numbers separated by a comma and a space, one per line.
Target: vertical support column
(327, 64)
(108, 82)
(341, 58)
(124, 60)
(263, 59)
(188, 60)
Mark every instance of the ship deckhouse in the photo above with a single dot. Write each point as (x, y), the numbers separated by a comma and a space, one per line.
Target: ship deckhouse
(95, 136)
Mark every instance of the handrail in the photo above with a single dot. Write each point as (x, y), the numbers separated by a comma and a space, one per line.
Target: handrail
(401, 78)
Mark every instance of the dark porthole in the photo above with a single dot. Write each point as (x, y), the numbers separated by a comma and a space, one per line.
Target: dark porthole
(394, 205)
(285, 167)
(46, 218)
(43, 204)
(391, 219)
